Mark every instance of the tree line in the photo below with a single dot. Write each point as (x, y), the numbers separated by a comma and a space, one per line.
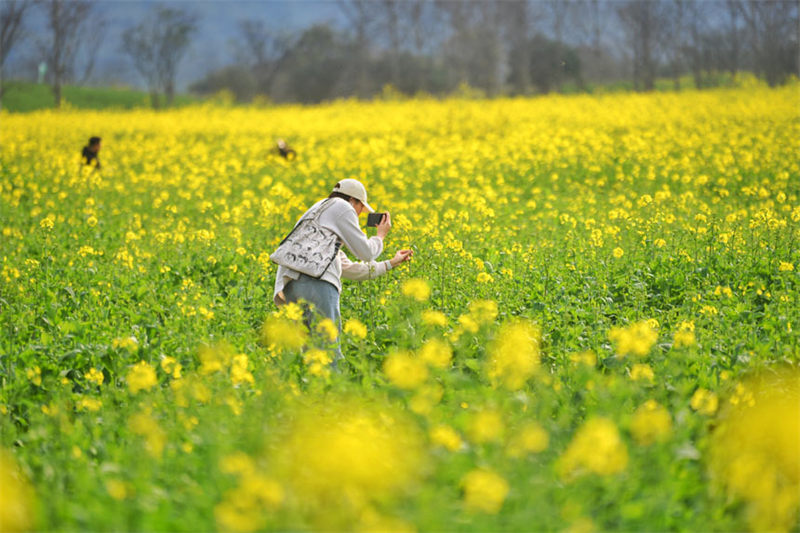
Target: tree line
(513, 47)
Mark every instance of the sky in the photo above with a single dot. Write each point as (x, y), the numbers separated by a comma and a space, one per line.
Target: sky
(211, 49)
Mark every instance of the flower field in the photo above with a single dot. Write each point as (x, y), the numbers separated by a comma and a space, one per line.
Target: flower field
(598, 330)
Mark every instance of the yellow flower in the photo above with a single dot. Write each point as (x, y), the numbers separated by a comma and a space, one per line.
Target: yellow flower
(89, 404)
(704, 402)
(486, 426)
(684, 339)
(140, 377)
(484, 277)
(34, 375)
(514, 355)
(239, 372)
(94, 376)
(425, 399)
(283, 334)
(171, 366)
(126, 343)
(659, 243)
(371, 453)
(318, 362)
(146, 426)
(446, 437)
(483, 311)
(404, 370)
(785, 267)
(642, 372)
(17, 509)
(530, 438)
(754, 451)
(117, 489)
(328, 329)
(588, 358)
(651, 423)
(636, 339)
(214, 358)
(355, 328)
(416, 288)
(484, 491)
(596, 448)
(618, 252)
(436, 353)
(434, 318)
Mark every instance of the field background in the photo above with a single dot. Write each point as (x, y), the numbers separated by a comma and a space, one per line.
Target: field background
(614, 276)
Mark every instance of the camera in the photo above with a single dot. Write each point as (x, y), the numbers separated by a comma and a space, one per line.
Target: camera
(373, 219)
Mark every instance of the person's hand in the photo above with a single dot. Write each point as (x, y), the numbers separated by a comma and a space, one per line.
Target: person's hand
(384, 226)
(401, 257)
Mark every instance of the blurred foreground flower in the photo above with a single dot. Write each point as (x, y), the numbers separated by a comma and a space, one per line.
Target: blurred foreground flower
(755, 451)
(405, 370)
(141, 377)
(416, 288)
(283, 334)
(596, 448)
(530, 438)
(484, 491)
(651, 423)
(636, 339)
(16, 508)
(514, 355)
(341, 455)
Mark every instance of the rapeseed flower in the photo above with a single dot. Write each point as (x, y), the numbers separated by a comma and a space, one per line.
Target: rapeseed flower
(355, 328)
(283, 334)
(446, 437)
(437, 353)
(651, 423)
(94, 376)
(17, 509)
(434, 318)
(642, 372)
(754, 451)
(596, 448)
(531, 437)
(486, 426)
(141, 377)
(155, 438)
(371, 453)
(417, 289)
(636, 339)
(405, 370)
(514, 355)
(484, 491)
(704, 402)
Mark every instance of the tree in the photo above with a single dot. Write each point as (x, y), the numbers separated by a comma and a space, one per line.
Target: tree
(156, 45)
(362, 17)
(12, 17)
(66, 20)
(515, 14)
(640, 21)
(263, 50)
(773, 34)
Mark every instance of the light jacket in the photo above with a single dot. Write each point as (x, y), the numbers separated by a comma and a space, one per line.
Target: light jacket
(341, 219)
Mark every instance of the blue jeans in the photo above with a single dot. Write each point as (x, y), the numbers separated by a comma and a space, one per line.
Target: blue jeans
(324, 300)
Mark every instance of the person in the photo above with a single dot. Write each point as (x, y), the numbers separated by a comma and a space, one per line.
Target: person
(349, 200)
(285, 151)
(89, 153)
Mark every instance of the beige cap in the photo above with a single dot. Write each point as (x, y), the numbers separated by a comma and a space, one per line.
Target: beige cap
(354, 189)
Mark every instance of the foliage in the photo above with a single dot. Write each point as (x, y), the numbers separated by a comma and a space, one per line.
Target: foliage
(600, 313)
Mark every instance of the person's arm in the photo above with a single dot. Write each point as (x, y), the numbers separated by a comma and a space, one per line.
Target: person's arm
(360, 271)
(363, 248)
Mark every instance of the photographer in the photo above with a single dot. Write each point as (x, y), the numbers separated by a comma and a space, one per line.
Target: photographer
(338, 214)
